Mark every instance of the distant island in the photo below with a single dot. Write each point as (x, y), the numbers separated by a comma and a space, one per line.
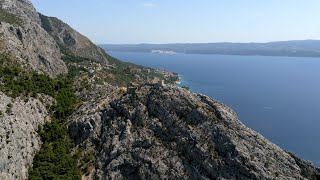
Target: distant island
(297, 48)
(69, 110)
(162, 52)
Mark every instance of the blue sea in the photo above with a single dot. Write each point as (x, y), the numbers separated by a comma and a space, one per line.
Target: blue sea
(279, 97)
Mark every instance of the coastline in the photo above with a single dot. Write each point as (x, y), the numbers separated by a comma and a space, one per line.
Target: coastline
(232, 89)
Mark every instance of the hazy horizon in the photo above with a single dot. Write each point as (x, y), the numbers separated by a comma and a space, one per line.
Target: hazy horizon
(209, 42)
(204, 21)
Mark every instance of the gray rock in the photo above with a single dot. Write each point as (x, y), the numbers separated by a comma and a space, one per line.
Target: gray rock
(169, 133)
(29, 42)
(19, 141)
(307, 168)
(73, 40)
(149, 132)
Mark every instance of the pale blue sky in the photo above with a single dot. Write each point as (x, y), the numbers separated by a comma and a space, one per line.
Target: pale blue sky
(182, 21)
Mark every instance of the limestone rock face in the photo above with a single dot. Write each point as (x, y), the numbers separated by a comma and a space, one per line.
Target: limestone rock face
(169, 133)
(24, 8)
(28, 41)
(19, 141)
(149, 131)
(72, 40)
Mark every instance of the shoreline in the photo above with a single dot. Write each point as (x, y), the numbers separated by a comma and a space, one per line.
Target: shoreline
(221, 92)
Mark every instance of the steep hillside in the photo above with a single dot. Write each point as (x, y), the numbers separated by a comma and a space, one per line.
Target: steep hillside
(19, 141)
(34, 108)
(22, 36)
(70, 40)
(29, 102)
(165, 132)
(68, 110)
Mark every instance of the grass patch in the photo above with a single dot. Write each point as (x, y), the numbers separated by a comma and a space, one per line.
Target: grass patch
(9, 18)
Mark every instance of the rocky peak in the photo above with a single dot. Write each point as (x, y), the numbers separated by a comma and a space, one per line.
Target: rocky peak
(149, 131)
(37, 41)
(23, 37)
(23, 8)
(165, 132)
(71, 40)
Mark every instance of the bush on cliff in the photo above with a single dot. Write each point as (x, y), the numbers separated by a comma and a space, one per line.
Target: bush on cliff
(54, 160)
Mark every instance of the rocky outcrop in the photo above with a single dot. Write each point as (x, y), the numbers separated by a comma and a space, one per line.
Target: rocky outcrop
(161, 132)
(27, 40)
(19, 141)
(148, 131)
(23, 8)
(307, 168)
(72, 40)
(86, 121)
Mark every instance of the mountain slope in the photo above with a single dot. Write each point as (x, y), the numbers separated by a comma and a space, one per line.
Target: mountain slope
(26, 40)
(71, 40)
(31, 102)
(165, 132)
(55, 84)
(19, 122)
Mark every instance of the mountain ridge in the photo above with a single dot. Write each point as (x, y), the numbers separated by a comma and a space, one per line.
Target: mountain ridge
(65, 114)
(70, 39)
(294, 48)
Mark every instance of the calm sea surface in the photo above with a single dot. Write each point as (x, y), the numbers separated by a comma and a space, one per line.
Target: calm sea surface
(277, 96)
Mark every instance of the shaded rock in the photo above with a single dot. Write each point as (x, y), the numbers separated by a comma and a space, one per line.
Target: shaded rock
(307, 169)
(19, 141)
(72, 40)
(164, 132)
(28, 41)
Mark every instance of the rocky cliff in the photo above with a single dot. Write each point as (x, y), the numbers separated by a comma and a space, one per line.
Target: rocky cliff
(165, 132)
(144, 131)
(22, 36)
(19, 141)
(70, 39)
(38, 40)
(30, 48)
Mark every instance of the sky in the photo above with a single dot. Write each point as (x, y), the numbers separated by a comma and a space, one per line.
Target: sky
(187, 21)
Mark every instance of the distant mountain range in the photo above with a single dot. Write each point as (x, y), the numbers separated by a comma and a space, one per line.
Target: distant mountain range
(68, 110)
(298, 48)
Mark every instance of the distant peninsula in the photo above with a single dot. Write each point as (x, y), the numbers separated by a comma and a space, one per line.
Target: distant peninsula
(162, 52)
(297, 48)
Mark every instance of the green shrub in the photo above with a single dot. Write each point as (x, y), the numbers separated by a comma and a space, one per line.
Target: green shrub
(9, 18)
(45, 22)
(75, 59)
(9, 108)
(54, 160)
(185, 87)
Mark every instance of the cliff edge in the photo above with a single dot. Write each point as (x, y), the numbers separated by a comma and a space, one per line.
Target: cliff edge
(56, 84)
(22, 36)
(166, 132)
